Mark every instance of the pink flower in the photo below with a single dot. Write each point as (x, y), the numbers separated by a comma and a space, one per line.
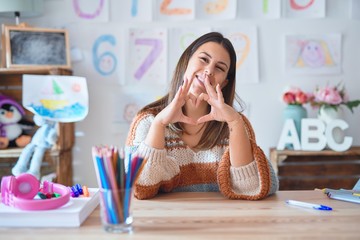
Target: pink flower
(328, 95)
(332, 97)
(295, 96)
(301, 97)
(289, 98)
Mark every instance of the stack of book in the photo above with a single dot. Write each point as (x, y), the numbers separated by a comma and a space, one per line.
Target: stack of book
(352, 195)
(72, 214)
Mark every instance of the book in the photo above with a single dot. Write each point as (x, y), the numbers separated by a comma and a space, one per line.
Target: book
(72, 214)
(344, 194)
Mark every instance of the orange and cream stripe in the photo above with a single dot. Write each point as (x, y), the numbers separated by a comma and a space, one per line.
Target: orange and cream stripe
(178, 167)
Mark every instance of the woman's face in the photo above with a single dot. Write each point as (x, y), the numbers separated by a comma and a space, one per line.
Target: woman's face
(212, 61)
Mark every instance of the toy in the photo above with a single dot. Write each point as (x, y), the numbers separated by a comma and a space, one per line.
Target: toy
(12, 124)
(44, 138)
(52, 100)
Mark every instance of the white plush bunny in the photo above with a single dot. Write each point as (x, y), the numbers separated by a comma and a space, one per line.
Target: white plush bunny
(44, 138)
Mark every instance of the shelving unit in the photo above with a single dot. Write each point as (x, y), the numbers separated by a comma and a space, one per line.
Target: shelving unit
(57, 160)
(306, 170)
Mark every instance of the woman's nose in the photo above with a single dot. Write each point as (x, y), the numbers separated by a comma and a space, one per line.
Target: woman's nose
(209, 72)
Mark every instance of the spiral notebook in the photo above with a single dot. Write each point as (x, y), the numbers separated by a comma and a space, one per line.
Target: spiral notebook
(72, 214)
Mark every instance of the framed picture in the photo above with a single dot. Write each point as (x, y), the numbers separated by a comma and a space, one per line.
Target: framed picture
(28, 47)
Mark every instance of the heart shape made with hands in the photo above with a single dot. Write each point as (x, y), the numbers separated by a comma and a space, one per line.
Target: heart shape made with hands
(212, 96)
(196, 101)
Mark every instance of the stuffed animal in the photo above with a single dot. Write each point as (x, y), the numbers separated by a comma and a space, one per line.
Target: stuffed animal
(13, 124)
(44, 138)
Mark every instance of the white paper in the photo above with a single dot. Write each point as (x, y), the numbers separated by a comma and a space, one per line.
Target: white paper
(136, 10)
(147, 56)
(57, 98)
(313, 54)
(268, 9)
(174, 10)
(89, 10)
(216, 9)
(304, 8)
(244, 40)
(180, 39)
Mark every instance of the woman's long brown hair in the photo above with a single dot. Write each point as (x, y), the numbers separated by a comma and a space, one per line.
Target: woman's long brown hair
(215, 131)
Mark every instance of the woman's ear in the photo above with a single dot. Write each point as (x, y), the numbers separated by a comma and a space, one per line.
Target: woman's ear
(224, 83)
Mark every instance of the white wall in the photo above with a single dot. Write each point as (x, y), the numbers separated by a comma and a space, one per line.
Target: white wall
(264, 98)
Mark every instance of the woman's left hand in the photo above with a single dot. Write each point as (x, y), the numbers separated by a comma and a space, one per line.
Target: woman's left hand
(220, 111)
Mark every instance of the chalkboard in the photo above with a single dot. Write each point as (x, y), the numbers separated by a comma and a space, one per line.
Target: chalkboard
(35, 47)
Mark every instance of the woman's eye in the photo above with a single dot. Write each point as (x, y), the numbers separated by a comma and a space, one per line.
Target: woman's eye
(203, 59)
(221, 68)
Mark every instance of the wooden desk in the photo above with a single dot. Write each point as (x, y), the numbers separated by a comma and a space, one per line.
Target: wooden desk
(211, 216)
(306, 170)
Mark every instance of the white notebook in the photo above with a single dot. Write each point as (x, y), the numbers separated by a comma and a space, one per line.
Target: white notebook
(72, 214)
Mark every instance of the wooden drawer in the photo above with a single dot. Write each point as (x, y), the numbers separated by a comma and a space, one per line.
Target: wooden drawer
(300, 174)
(306, 170)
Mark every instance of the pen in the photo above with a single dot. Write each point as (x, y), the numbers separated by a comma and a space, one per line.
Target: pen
(308, 205)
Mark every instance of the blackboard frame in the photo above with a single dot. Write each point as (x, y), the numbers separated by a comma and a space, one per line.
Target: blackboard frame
(54, 51)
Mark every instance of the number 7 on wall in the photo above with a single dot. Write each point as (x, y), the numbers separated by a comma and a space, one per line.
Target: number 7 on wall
(157, 47)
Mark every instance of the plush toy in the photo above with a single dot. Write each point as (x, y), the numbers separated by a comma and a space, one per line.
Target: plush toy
(12, 124)
(44, 138)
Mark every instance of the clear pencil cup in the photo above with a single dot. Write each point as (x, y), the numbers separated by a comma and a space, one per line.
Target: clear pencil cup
(115, 210)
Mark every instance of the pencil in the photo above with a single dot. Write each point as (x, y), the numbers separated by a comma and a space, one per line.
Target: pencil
(117, 173)
(114, 188)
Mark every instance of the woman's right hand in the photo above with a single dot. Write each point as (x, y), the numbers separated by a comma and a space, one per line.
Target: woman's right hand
(173, 112)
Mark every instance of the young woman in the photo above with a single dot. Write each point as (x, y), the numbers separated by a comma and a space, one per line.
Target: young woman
(193, 139)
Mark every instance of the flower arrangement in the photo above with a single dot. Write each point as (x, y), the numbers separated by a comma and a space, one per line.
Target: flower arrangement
(295, 96)
(332, 97)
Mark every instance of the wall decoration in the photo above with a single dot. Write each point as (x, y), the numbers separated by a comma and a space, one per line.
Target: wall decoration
(129, 101)
(90, 10)
(104, 61)
(268, 9)
(216, 9)
(304, 8)
(103, 52)
(181, 38)
(244, 41)
(147, 56)
(137, 10)
(174, 10)
(313, 54)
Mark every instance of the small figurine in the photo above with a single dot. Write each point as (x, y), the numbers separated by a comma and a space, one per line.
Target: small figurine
(44, 138)
(12, 124)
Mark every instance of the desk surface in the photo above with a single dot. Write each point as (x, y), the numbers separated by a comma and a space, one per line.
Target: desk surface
(211, 216)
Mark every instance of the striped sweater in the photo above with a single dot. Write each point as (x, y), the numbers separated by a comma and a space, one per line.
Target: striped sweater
(178, 168)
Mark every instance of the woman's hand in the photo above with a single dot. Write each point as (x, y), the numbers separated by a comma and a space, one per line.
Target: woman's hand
(220, 111)
(173, 112)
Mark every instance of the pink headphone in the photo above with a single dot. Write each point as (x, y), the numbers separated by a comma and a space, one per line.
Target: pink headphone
(19, 192)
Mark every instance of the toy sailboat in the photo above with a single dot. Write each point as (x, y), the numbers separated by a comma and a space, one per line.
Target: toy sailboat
(54, 104)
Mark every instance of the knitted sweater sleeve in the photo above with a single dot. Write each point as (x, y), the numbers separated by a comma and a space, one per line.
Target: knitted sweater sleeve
(160, 172)
(253, 181)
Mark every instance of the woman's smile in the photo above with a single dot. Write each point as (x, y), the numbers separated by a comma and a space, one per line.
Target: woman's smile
(201, 80)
